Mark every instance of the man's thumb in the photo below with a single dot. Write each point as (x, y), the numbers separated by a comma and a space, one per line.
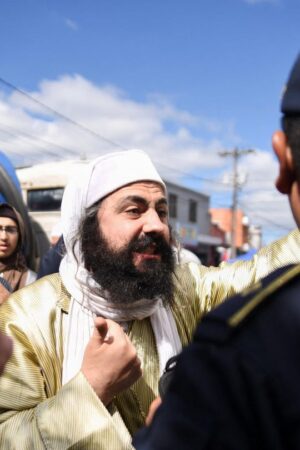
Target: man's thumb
(101, 327)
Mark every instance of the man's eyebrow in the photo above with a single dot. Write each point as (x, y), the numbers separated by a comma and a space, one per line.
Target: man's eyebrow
(137, 199)
(162, 201)
(131, 199)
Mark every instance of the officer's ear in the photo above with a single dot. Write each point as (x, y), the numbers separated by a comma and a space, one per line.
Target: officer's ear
(286, 175)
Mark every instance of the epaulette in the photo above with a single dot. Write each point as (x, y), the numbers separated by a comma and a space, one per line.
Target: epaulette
(262, 293)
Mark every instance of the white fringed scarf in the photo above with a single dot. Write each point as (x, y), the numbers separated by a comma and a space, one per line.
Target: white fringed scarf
(102, 176)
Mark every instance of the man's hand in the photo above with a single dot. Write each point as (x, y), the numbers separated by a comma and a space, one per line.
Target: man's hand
(152, 410)
(110, 362)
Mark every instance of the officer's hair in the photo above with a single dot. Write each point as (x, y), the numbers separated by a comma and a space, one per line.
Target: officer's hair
(291, 128)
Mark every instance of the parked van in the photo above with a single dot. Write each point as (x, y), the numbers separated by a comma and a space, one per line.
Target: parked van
(42, 189)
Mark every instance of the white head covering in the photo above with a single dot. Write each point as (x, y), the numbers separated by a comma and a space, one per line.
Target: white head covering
(101, 177)
(98, 179)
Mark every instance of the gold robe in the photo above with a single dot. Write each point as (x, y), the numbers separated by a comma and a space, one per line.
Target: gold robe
(36, 412)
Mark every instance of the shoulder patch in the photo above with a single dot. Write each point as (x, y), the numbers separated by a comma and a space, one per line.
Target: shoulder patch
(262, 294)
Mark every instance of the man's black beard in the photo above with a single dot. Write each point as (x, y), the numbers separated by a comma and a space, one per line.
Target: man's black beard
(115, 272)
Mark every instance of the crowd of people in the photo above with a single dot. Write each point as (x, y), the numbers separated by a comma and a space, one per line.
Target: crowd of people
(88, 343)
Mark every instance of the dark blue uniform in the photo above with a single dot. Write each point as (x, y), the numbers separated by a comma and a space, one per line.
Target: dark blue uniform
(237, 386)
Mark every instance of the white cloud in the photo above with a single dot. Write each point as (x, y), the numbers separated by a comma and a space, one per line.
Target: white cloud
(71, 24)
(167, 133)
(178, 141)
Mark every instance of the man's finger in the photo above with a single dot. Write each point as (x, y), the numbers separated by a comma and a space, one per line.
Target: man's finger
(101, 327)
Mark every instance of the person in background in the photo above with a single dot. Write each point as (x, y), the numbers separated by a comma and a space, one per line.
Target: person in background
(56, 233)
(236, 386)
(91, 341)
(13, 268)
(51, 260)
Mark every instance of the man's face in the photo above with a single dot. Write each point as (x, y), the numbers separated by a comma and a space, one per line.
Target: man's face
(134, 212)
(9, 236)
(131, 258)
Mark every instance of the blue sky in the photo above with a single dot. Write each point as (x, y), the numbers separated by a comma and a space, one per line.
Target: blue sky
(181, 79)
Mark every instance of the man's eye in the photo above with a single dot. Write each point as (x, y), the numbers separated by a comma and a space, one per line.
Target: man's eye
(162, 213)
(133, 211)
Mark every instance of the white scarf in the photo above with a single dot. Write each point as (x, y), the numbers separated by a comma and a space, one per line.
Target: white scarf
(85, 304)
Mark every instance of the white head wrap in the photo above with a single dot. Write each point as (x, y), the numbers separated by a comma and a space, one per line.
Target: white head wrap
(98, 179)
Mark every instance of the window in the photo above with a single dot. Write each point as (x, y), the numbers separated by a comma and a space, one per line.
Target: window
(173, 205)
(44, 199)
(193, 211)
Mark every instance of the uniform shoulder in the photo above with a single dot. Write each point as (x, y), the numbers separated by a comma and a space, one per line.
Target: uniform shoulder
(233, 312)
(256, 295)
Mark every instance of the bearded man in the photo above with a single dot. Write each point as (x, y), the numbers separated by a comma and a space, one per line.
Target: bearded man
(91, 342)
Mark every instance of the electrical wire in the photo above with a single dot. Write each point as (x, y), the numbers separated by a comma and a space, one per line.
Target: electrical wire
(62, 116)
(271, 222)
(22, 134)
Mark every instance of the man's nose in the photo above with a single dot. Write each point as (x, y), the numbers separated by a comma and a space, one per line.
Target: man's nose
(153, 223)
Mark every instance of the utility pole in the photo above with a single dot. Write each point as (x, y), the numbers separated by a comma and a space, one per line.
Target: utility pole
(236, 154)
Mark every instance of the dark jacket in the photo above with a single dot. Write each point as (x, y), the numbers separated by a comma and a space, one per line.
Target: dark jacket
(51, 260)
(237, 385)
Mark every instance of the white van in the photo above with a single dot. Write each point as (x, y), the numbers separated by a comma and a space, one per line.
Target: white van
(42, 189)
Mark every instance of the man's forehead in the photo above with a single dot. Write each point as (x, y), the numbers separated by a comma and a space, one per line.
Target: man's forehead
(140, 188)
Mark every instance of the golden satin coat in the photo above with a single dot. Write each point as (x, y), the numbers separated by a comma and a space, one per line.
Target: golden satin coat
(36, 412)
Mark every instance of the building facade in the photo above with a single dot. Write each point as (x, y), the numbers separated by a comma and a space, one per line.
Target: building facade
(246, 236)
(190, 220)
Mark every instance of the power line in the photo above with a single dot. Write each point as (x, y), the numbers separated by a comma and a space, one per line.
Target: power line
(265, 219)
(24, 137)
(192, 176)
(62, 116)
(23, 134)
(34, 138)
(260, 202)
(271, 222)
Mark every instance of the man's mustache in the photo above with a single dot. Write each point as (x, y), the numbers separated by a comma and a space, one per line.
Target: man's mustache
(140, 244)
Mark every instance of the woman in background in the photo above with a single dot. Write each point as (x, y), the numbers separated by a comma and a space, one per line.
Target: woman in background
(13, 269)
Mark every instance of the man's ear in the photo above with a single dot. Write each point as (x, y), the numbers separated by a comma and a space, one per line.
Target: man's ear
(286, 175)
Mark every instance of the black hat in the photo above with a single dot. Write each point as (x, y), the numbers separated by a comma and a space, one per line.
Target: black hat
(7, 210)
(290, 104)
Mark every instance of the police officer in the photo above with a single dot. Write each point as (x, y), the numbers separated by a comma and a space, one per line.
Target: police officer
(237, 386)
